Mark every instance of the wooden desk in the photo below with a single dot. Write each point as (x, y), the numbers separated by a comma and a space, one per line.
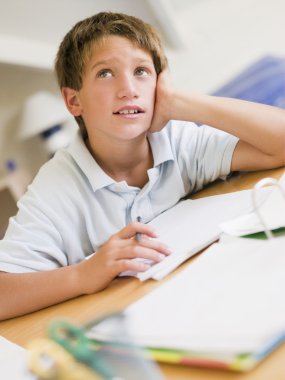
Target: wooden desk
(124, 291)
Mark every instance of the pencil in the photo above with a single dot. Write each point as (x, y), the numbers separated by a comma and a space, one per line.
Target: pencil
(138, 234)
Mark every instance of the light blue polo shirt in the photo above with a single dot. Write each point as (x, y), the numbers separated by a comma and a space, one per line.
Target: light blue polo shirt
(73, 207)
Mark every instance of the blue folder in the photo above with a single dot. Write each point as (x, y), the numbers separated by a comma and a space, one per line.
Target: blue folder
(261, 82)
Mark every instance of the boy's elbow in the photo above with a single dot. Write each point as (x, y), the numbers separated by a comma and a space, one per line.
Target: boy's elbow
(273, 162)
(279, 159)
(283, 155)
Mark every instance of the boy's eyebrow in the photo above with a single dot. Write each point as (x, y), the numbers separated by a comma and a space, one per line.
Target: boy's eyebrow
(109, 61)
(100, 63)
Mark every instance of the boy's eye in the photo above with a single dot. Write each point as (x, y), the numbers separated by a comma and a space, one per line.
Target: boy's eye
(104, 73)
(141, 71)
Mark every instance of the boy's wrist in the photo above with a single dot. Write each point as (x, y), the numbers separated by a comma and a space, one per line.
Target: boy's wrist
(88, 278)
(79, 277)
(189, 107)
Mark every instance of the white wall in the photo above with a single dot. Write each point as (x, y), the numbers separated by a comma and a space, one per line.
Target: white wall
(220, 38)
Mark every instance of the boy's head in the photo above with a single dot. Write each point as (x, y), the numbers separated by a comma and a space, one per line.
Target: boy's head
(76, 48)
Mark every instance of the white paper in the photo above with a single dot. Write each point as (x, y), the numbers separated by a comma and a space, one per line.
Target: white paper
(13, 362)
(192, 225)
(231, 299)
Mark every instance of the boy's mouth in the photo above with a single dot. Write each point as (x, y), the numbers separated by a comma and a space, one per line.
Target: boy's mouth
(129, 110)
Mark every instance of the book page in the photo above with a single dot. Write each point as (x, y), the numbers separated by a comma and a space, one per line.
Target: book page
(192, 225)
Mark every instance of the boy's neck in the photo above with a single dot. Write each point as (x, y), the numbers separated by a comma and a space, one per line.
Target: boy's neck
(127, 162)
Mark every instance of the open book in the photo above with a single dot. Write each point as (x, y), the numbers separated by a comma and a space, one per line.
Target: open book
(192, 225)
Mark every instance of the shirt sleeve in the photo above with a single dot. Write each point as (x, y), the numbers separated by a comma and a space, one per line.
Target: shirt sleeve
(203, 153)
(42, 236)
(32, 241)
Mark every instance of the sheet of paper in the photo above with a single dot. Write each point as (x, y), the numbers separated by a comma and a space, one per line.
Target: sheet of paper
(192, 225)
(13, 362)
(272, 210)
(231, 299)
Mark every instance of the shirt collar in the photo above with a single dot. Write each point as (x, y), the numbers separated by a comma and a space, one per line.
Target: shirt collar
(160, 146)
(84, 159)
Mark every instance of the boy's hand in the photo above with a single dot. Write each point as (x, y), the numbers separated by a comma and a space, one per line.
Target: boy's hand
(117, 255)
(163, 102)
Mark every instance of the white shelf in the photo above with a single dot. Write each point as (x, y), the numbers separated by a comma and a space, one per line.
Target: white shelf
(25, 52)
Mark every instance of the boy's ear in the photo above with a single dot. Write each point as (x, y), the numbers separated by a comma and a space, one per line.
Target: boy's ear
(71, 100)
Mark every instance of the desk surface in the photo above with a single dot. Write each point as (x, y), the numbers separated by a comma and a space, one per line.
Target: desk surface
(124, 291)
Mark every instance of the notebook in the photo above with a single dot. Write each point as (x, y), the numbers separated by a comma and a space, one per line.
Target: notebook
(226, 310)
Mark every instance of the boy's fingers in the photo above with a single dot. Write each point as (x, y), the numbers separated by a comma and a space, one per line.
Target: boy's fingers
(133, 265)
(155, 245)
(139, 252)
(133, 228)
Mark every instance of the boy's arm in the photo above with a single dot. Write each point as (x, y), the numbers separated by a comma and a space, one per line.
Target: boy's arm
(22, 293)
(26, 292)
(260, 128)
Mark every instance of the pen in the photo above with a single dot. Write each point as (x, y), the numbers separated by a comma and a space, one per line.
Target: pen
(138, 234)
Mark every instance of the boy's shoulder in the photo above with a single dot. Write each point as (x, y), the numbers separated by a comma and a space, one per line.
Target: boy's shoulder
(55, 176)
(68, 162)
(71, 169)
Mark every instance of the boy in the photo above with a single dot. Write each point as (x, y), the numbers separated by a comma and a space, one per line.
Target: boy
(131, 158)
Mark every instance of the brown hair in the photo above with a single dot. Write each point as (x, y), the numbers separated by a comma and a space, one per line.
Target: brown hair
(76, 47)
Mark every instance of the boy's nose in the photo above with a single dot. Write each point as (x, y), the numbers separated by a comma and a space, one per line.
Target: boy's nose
(127, 88)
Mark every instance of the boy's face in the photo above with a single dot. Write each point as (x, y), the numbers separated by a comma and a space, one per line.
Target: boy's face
(118, 92)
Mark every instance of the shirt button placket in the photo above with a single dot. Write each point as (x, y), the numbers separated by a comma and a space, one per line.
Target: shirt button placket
(130, 201)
